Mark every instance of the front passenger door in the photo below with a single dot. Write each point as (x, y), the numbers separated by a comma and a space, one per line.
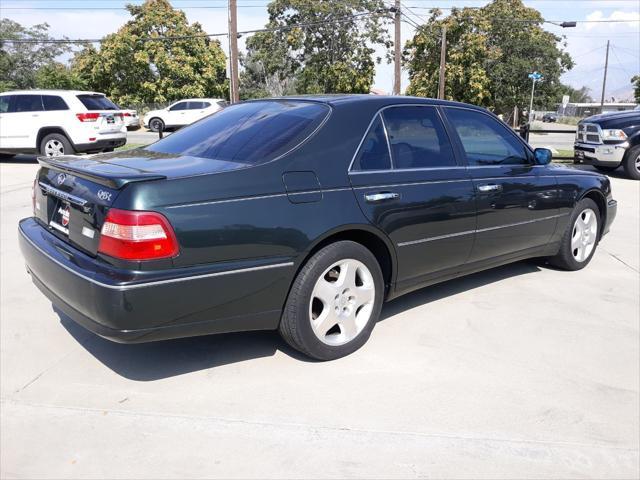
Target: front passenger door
(515, 198)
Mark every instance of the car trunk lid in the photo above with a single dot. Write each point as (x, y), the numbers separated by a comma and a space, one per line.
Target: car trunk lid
(74, 194)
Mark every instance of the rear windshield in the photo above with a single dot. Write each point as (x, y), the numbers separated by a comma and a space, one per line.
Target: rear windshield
(249, 133)
(97, 102)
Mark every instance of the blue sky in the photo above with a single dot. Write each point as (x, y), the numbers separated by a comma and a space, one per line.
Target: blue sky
(586, 43)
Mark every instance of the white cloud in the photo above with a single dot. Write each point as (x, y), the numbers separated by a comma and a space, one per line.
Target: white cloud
(621, 18)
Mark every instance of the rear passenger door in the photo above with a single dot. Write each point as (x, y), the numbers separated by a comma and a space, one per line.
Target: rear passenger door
(21, 123)
(516, 199)
(408, 182)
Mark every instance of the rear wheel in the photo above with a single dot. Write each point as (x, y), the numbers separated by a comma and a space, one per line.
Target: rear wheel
(580, 238)
(55, 145)
(605, 169)
(631, 163)
(334, 303)
(156, 124)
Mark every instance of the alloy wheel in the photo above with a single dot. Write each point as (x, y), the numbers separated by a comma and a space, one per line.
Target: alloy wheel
(584, 235)
(53, 148)
(637, 163)
(342, 302)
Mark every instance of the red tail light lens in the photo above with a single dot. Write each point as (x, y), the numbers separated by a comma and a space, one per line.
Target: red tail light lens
(88, 117)
(126, 114)
(131, 235)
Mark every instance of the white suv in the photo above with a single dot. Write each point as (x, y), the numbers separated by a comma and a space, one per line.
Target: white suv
(182, 113)
(59, 122)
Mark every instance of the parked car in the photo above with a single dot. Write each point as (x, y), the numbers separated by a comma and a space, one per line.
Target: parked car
(182, 113)
(131, 119)
(300, 214)
(59, 122)
(549, 118)
(608, 141)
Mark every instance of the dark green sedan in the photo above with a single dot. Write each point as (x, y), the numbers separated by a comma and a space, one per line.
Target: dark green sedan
(300, 214)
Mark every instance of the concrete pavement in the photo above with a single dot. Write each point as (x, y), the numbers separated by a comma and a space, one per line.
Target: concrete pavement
(521, 371)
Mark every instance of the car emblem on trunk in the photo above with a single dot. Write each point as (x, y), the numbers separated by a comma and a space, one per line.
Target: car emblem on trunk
(61, 178)
(103, 195)
(64, 212)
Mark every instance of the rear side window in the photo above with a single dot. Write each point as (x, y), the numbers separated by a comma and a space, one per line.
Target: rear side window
(97, 102)
(4, 103)
(196, 105)
(374, 151)
(485, 140)
(26, 103)
(54, 102)
(417, 138)
(250, 133)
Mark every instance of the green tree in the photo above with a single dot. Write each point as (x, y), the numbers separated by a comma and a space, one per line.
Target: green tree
(20, 62)
(332, 53)
(635, 80)
(490, 51)
(133, 66)
(58, 76)
(577, 95)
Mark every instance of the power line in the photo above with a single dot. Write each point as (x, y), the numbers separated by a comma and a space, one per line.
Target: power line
(204, 35)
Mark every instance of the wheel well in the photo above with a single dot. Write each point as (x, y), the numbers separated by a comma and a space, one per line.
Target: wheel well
(367, 239)
(43, 132)
(602, 206)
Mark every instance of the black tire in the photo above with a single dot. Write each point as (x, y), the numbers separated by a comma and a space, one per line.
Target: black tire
(61, 142)
(605, 169)
(631, 163)
(295, 325)
(565, 259)
(156, 124)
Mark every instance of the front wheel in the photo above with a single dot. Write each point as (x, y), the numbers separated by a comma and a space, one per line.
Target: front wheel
(334, 302)
(580, 238)
(631, 163)
(156, 125)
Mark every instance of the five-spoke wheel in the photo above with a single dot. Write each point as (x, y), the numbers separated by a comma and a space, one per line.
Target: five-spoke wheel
(334, 302)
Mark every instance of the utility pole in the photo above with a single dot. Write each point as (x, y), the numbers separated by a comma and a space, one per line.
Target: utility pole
(443, 62)
(604, 80)
(396, 58)
(233, 51)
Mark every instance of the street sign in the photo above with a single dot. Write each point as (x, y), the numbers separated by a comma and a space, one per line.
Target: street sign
(565, 101)
(535, 76)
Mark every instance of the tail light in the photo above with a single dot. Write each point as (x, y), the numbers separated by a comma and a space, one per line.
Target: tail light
(126, 114)
(134, 235)
(88, 117)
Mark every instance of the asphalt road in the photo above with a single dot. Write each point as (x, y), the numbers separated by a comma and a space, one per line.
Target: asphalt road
(518, 372)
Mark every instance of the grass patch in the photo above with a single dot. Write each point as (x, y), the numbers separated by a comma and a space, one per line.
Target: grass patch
(129, 146)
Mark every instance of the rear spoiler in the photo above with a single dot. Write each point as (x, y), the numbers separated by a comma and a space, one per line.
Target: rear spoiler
(112, 181)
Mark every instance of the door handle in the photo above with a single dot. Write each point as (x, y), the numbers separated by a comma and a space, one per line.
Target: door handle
(492, 187)
(381, 197)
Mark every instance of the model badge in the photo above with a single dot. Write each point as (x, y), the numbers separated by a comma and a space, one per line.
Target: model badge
(103, 195)
(64, 213)
(61, 178)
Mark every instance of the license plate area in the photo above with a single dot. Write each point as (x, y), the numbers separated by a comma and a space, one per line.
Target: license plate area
(60, 217)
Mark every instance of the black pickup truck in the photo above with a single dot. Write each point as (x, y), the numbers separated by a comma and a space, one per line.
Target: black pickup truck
(610, 140)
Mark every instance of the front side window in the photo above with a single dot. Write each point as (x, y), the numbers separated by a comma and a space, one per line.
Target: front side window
(26, 103)
(53, 103)
(374, 150)
(97, 102)
(417, 138)
(178, 106)
(485, 140)
(250, 133)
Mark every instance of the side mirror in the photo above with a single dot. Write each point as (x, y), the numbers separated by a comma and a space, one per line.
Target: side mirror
(543, 156)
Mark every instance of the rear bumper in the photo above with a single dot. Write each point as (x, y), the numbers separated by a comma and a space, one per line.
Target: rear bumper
(140, 306)
(600, 155)
(102, 144)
